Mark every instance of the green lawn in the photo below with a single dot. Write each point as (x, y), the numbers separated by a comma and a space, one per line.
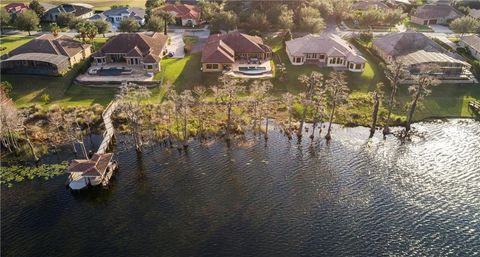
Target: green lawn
(28, 89)
(13, 41)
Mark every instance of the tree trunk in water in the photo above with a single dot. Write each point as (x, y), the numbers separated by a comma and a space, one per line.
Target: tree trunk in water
(300, 129)
(328, 136)
(229, 117)
(412, 111)
(74, 148)
(314, 125)
(266, 129)
(374, 115)
(386, 128)
(35, 158)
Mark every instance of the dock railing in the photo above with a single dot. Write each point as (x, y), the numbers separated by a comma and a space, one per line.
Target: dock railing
(109, 130)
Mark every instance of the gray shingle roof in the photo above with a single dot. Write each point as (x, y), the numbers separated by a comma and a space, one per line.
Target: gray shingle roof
(473, 41)
(435, 11)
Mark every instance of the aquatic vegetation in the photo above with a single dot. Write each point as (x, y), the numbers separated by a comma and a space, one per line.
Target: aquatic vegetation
(18, 173)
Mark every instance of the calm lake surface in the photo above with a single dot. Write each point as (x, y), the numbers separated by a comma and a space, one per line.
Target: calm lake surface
(352, 197)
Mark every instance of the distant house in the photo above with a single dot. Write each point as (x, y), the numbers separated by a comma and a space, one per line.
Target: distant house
(82, 11)
(364, 5)
(185, 14)
(431, 14)
(474, 13)
(325, 49)
(190, 2)
(133, 49)
(98, 16)
(472, 42)
(222, 51)
(415, 49)
(116, 15)
(16, 7)
(46, 55)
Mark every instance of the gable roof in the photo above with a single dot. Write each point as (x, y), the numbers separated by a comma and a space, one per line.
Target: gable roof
(76, 9)
(15, 7)
(184, 11)
(49, 44)
(135, 44)
(435, 11)
(327, 43)
(221, 48)
(473, 41)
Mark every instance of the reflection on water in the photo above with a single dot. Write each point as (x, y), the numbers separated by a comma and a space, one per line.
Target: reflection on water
(352, 197)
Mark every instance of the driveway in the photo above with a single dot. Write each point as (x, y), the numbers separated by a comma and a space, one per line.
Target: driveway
(177, 46)
(441, 29)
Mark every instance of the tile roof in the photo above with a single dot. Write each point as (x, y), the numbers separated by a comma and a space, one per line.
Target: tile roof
(222, 47)
(435, 11)
(76, 9)
(184, 11)
(327, 43)
(145, 45)
(49, 44)
(473, 41)
(15, 7)
(366, 4)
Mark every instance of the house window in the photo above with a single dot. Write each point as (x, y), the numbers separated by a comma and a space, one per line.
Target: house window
(322, 56)
(297, 60)
(149, 66)
(212, 66)
(358, 66)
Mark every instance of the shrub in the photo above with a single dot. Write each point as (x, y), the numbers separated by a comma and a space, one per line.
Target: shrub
(45, 98)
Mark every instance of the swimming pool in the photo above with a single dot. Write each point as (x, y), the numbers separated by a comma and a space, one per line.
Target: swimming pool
(113, 71)
(252, 70)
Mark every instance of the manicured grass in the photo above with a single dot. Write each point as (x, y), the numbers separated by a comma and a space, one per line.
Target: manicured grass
(13, 41)
(417, 27)
(185, 73)
(28, 89)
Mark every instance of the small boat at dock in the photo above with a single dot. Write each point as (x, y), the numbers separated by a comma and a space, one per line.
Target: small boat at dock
(92, 172)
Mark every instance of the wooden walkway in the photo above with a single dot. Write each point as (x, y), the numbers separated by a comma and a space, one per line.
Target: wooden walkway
(109, 131)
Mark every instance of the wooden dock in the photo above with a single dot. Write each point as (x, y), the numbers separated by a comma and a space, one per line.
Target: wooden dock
(109, 131)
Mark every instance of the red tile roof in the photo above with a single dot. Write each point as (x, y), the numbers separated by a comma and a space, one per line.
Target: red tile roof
(184, 11)
(15, 7)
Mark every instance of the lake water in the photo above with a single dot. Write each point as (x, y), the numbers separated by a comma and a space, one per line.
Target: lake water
(352, 197)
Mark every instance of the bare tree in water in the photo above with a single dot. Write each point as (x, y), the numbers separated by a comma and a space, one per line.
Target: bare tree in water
(423, 83)
(186, 101)
(289, 100)
(9, 127)
(394, 73)
(377, 96)
(129, 102)
(201, 94)
(227, 93)
(312, 84)
(337, 93)
(258, 93)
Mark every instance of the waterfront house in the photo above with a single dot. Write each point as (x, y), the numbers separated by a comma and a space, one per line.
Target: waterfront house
(233, 51)
(14, 8)
(116, 15)
(185, 14)
(415, 49)
(137, 50)
(46, 55)
(326, 49)
(81, 11)
(472, 43)
(440, 13)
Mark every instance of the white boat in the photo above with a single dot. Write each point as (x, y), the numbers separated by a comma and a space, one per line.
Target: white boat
(93, 172)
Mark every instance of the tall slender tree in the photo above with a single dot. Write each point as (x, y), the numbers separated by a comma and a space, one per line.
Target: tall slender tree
(312, 83)
(289, 100)
(394, 73)
(337, 93)
(377, 96)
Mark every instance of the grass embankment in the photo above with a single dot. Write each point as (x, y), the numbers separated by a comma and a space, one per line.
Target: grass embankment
(28, 89)
(13, 41)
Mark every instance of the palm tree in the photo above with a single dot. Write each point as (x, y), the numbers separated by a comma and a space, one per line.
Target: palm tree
(394, 73)
(167, 18)
(377, 95)
(313, 84)
(422, 87)
(337, 93)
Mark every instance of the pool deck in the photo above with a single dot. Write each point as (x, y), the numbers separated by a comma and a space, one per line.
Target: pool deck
(137, 75)
(235, 72)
